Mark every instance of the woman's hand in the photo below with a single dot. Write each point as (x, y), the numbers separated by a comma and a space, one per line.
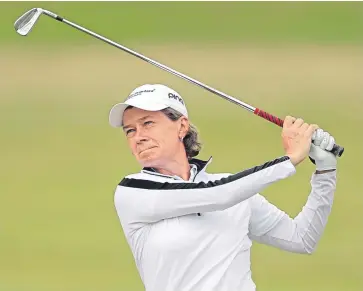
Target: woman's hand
(297, 138)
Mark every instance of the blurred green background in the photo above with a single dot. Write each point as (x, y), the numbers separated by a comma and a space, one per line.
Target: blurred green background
(61, 161)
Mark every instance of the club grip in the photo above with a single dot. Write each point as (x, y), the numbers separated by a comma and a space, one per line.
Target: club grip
(337, 150)
(269, 117)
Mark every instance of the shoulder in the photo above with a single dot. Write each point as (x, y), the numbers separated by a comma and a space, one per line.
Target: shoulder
(138, 184)
(128, 190)
(127, 182)
(143, 181)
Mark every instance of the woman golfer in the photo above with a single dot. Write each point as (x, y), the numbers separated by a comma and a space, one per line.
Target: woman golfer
(190, 230)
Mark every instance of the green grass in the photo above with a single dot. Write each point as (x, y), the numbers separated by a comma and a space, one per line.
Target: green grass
(61, 161)
(215, 22)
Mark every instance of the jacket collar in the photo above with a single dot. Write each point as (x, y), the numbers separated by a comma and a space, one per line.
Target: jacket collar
(200, 164)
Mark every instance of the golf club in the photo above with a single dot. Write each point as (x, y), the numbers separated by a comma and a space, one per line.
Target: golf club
(26, 22)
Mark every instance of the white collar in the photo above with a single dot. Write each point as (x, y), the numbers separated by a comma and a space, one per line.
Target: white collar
(196, 166)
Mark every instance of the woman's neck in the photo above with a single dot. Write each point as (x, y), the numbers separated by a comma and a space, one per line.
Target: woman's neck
(177, 167)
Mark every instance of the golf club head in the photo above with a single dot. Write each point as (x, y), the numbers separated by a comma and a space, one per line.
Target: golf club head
(24, 24)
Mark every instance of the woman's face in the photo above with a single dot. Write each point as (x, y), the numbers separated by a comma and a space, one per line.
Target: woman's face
(152, 137)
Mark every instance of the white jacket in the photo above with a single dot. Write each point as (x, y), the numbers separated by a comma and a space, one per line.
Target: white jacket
(196, 235)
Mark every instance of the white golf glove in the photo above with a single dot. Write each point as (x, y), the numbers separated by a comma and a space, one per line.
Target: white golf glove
(323, 159)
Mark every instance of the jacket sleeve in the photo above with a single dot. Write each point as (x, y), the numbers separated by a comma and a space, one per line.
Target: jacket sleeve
(271, 226)
(145, 201)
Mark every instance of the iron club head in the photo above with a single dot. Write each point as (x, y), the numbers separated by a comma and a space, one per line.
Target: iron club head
(24, 24)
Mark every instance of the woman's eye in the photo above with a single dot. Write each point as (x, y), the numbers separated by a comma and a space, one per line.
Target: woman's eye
(148, 122)
(129, 131)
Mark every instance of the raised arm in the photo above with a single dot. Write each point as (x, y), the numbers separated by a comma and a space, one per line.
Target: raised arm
(270, 225)
(144, 201)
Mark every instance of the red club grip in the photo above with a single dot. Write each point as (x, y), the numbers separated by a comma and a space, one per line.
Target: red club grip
(337, 149)
(269, 117)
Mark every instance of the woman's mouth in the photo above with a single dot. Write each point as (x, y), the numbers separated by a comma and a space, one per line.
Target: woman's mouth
(146, 149)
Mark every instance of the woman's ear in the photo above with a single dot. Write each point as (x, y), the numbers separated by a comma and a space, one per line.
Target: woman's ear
(184, 126)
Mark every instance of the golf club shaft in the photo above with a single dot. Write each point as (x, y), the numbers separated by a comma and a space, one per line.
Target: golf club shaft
(337, 150)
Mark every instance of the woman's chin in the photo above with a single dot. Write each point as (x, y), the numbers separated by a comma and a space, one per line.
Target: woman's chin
(148, 157)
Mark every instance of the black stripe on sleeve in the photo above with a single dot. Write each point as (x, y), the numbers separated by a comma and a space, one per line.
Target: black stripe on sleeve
(152, 185)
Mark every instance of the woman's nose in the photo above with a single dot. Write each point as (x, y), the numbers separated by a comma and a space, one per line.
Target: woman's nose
(140, 136)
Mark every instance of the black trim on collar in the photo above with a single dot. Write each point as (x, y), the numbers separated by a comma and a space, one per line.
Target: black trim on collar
(152, 185)
(200, 164)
